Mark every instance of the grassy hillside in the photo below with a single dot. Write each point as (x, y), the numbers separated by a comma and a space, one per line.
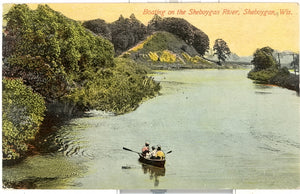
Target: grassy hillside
(165, 50)
(161, 41)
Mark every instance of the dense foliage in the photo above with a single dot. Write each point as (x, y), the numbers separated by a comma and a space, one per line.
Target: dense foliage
(126, 33)
(53, 54)
(119, 89)
(183, 29)
(221, 49)
(22, 113)
(122, 88)
(99, 27)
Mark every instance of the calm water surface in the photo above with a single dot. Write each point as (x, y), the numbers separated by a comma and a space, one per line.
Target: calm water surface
(224, 131)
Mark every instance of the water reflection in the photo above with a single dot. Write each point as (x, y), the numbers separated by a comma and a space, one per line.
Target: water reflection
(154, 173)
(263, 86)
(259, 92)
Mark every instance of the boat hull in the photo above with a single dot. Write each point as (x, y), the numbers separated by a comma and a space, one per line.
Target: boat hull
(153, 162)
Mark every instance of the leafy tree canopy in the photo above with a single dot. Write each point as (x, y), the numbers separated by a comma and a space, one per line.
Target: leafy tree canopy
(263, 59)
(221, 49)
(99, 27)
(127, 33)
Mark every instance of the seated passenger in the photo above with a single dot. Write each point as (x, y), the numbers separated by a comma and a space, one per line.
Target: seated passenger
(152, 153)
(160, 154)
(145, 149)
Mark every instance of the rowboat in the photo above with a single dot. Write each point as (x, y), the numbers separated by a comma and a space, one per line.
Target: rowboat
(153, 162)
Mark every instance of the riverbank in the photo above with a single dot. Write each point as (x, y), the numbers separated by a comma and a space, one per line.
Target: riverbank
(282, 78)
(290, 81)
(179, 66)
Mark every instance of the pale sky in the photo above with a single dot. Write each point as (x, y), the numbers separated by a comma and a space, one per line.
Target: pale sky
(245, 31)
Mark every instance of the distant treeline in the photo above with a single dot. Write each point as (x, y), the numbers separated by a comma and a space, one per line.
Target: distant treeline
(125, 33)
(51, 59)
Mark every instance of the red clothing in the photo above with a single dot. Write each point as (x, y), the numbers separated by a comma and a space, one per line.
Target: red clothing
(145, 150)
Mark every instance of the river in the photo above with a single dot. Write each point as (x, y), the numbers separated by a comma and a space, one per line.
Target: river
(224, 132)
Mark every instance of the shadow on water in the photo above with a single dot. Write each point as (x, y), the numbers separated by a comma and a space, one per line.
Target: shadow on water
(154, 173)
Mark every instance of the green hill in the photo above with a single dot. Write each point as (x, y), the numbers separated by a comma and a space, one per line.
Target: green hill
(166, 50)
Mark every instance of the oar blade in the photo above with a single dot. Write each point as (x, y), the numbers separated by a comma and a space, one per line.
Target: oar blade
(169, 152)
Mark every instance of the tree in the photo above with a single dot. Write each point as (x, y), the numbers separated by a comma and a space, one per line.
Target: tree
(155, 23)
(221, 50)
(179, 27)
(99, 27)
(127, 32)
(265, 66)
(263, 59)
(201, 42)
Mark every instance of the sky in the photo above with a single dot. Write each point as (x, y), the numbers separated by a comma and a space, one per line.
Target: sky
(244, 26)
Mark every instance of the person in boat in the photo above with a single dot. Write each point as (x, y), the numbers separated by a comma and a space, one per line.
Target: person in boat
(152, 154)
(160, 154)
(145, 149)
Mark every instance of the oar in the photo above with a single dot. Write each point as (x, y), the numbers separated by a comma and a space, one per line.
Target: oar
(131, 150)
(169, 152)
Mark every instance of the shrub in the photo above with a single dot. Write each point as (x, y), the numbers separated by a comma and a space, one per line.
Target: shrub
(186, 56)
(120, 89)
(167, 57)
(22, 115)
(262, 76)
(153, 56)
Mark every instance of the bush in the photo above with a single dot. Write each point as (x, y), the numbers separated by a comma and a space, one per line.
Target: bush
(153, 56)
(22, 115)
(262, 76)
(120, 89)
(167, 57)
(187, 57)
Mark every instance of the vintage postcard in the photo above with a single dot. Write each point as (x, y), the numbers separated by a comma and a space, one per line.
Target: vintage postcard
(150, 96)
